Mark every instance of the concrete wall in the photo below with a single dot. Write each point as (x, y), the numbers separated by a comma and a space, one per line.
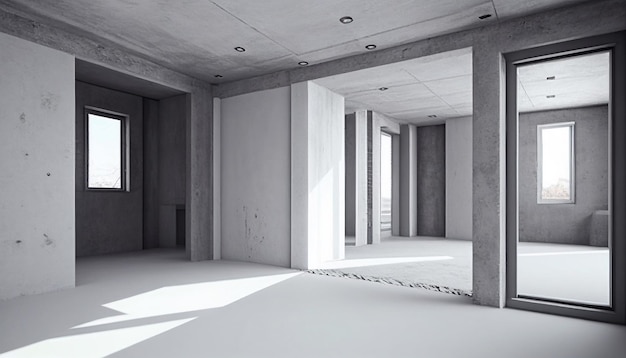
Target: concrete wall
(459, 178)
(255, 178)
(408, 180)
(317, 180)
(564, 223)
(431, 180)
(36, 169)
(171, 165)
(108, 222)
(350, 173)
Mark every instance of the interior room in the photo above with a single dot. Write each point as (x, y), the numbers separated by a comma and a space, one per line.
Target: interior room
(201, 178)
(408, 174)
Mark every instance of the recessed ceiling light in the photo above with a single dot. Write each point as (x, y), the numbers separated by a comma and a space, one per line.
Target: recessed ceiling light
(218, 76)
(383, 89)
(370, 47)
(551, 78)
(550, 96)
(432, 116)
(486, 16)
(240, 49)
(346, 20)
(303, 63)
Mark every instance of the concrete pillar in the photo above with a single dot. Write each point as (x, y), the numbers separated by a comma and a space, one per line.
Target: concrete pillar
(373, 170)
(317, 176)
(395, 185)
(199, 194)
(217, 175)
(151, 173)
(408, 180)
(356, 176)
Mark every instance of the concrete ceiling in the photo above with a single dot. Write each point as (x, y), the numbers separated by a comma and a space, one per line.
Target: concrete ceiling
(198, 37)
(438, 85)
(578, 82)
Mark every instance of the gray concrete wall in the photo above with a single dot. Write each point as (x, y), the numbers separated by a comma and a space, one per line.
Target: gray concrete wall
(431, 180)
(255, 178)
(171, 165)
(408, 180)
(108, 222)
(351, 184)
(373, 177)
(564, 223)
(36, 169)
(459, 178)
(317, 180)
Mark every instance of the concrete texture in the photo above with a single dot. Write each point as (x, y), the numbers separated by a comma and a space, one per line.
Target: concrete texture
(37, 160)
(256, 177)
(199, 157)
(431, 180)
(395, 184)
(459, 178)
(373, 178)
(171, 165)
(150, 173)
(408, 180)
(109, 222)
(185, 37)
(356, 176)
(425, 323)
(317, 176)
(217, 179)
(564, 223)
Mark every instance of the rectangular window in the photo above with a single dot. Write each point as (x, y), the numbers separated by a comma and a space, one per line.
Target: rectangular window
(555, 163)
(105, 150)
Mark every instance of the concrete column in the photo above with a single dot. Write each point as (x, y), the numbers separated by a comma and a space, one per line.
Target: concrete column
(489, 176)
(317, 176)
(217, 176)
(373, 129)
(199, 194)
(408, 180)
(356, 176)
(151, 173)
(395, 185)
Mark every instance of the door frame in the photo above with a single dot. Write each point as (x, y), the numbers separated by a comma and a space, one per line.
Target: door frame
(616, 43)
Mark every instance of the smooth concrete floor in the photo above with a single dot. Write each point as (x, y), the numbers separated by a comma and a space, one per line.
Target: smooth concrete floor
(160, 305)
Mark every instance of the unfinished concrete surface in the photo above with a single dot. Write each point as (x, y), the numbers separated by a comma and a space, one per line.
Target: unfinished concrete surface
(356, 176)
(109, 222)
(260, 319)
(408, 180)
(459, 178)
(255, 176)
(431, 180)
(37, 224)
(317, 176)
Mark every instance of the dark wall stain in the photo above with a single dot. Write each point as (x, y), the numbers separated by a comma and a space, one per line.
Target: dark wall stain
(49, 101)
(48, 241)
(23, 117)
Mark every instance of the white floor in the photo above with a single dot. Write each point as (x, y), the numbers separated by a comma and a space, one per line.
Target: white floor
(156, 304)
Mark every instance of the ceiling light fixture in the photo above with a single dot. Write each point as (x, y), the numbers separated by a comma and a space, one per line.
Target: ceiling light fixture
(240, 49)
(486, 16)
(551, 78)
(550, 96)
(218, 76)
(383, 89)
(303, 63)
(370, 47)
(346, 20)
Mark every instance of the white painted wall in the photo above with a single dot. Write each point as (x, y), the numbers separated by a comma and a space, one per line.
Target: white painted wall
(459, 178)
(37, 159)
(317, 184)
(255, 179)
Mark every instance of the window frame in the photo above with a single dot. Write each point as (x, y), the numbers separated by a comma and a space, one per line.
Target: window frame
(124, 152)
(572, 168)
